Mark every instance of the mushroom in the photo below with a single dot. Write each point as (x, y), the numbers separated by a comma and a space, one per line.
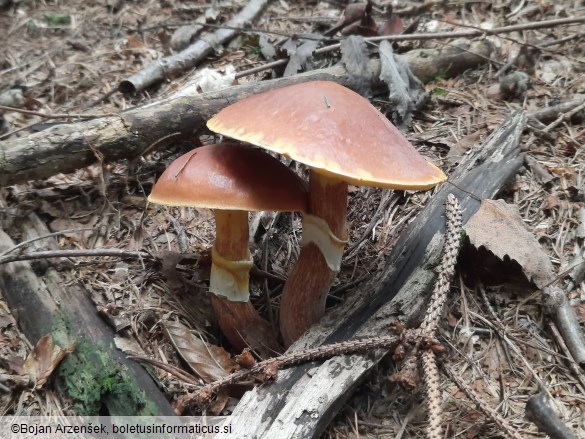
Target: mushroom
(344, 140)
(232, 179)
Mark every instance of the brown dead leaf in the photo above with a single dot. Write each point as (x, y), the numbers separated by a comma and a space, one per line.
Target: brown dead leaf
(207, 361)
(134, 42)
(550, 202)
(499, 228)
(43, 360)
(246, 359)
(540, 173)
(565, 171)
(219, 403)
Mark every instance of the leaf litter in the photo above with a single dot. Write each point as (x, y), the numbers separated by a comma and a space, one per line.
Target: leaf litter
(68, 79)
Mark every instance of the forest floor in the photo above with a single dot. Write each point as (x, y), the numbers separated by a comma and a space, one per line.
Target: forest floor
(69, 57)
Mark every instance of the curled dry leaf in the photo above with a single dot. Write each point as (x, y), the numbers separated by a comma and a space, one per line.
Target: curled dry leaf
(499, 228)
(299, 57)
(354, 54)
(246, 359)
(209, 362)
(44, 359)
(407, 93)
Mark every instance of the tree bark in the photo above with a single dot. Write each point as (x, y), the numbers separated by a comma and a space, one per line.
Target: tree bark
(68, 147)
(44, 305)
(302, 401)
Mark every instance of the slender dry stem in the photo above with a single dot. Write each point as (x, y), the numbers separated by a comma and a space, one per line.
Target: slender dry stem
(480, 403)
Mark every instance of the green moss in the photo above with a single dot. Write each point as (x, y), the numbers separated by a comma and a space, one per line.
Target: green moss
(95, 380)
(442, 74)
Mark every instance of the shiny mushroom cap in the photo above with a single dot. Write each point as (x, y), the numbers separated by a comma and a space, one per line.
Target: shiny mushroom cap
(332, 129)
(230, 177)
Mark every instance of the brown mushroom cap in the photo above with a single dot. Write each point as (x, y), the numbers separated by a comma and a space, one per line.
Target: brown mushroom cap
(332, 129)
(230, 177)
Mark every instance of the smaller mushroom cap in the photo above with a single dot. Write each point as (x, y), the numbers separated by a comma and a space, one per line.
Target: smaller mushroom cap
(332, 129)
(230, 177)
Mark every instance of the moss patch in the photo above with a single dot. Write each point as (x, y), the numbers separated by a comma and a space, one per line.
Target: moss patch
(95, 381)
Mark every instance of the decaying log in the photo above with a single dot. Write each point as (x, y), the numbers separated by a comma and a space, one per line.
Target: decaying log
(43, 305)
(68, 147)
(302, 401)
(170, 66)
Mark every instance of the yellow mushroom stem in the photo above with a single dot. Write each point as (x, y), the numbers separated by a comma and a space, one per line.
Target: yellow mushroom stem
(305, 292)
(230, 271)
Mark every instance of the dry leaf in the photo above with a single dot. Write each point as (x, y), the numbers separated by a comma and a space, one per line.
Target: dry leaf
(358, 20)
(354, 54)
(300, 57)
(407, 93)
(550, 202)
(246, 359)
(499, 228)
(43, 360)
(268, 51)
(218, 403)
(129, 346)
(207, 361)
(135, 42)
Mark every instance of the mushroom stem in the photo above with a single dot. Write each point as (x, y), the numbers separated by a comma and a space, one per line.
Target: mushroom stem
(239, 321)
(305, 292)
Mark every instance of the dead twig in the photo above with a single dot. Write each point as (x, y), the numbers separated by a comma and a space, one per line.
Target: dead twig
(564, 117)
(430, 36)
(287, 360)
(480, 403)
(573, 365)
(54, 115)
(97, 252)
(547, 421)
(195, 53)
(558, 307)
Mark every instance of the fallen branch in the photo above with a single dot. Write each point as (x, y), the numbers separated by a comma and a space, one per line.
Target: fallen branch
(302, 401)
(547, 421)
(43, 305)
(52, 115)
(426, 64)
(548, 115)
(68, 147)
(173, 65)
(558, 307)
(434, 36)
(103, 252)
